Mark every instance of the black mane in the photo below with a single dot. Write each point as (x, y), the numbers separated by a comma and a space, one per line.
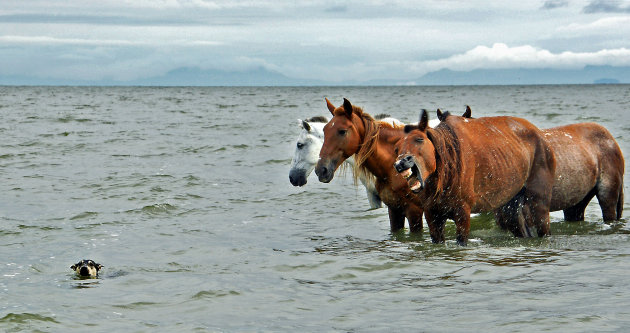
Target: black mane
(317, 119)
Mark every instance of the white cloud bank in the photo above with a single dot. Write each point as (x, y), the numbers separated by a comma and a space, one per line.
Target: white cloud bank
(501, 56)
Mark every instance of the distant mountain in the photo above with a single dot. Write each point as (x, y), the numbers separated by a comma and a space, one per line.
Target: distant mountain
(191, 76)
(587, 75)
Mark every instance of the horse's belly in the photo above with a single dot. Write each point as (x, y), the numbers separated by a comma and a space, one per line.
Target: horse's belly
(574, 179)
(492, 199)
(493, 188)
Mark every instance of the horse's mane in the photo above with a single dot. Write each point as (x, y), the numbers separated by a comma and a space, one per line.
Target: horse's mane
(317, 119)
(448, 159)
(372, 130)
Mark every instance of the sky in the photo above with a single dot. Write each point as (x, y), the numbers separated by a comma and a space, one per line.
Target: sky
(307, 39)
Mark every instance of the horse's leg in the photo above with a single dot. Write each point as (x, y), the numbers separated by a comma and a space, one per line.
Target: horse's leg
(620, 202)
(609, 202)
(576, 212)
(462, 222)
(373, 199)
(372, 195)
(436, 224)
(510, 216)
(535, 210)
(538, 189)
(396, 218)
(414, 218)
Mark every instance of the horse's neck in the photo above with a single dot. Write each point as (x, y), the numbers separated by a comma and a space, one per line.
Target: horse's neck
(380, 162)
(447, 153)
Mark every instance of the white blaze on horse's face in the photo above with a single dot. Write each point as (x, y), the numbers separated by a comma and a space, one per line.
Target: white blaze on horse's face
(306, 154)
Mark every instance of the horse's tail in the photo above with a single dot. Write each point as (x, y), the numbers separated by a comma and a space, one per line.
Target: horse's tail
(620, 202)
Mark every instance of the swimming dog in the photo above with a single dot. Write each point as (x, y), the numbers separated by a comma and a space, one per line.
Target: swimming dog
(86, 268)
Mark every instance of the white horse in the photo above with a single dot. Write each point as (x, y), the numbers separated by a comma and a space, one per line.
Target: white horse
(306, 155)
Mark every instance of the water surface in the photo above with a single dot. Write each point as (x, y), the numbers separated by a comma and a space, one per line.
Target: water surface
(183, 195)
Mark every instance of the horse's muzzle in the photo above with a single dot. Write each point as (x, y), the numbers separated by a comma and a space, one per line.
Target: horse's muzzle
(297, 177)
(404, 163)
(325, 171)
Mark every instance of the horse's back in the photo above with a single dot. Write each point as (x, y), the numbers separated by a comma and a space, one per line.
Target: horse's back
(499, 155)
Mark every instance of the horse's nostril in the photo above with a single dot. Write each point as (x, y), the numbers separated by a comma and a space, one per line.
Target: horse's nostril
(408, 158)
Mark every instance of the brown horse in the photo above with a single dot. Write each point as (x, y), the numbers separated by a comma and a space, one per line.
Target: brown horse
(354, 132)
(478, 165)
(589, 163)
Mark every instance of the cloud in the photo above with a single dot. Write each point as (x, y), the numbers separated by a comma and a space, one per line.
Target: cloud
(553, 4)
(46, 40)
(606, 6)
(501, 56)
(53, 40)
(607, 25)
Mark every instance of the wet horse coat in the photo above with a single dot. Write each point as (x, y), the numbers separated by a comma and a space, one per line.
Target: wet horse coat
(589, 163)
(500, 164)
(352, 132)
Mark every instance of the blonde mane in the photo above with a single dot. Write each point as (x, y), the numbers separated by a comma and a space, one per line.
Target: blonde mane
(372, 130)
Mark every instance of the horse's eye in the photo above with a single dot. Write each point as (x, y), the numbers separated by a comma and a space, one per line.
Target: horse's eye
(396, 151)
(342, 132)
(419, 140)
(300, 145)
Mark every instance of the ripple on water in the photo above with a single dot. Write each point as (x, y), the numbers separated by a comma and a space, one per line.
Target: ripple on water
(25, 318)
(155, 209)
(212, 294)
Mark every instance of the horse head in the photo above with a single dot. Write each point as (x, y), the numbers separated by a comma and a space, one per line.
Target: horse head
(343, 135)
(306, 154)
(416, 154)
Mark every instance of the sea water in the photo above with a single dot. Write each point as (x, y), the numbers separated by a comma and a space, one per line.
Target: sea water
(183, 195)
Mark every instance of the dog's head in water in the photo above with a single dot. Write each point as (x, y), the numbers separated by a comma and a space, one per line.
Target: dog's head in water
(86, 268)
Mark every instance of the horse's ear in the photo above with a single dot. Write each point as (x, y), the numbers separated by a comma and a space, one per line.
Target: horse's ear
(424, 121)
(330, 106)
(468, 112)
(347, 106)
(441, 116)
(306, 125)
(409, 128)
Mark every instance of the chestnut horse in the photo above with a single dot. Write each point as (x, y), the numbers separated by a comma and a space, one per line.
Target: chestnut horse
(589, 163)
(500, 164)
(354, 132)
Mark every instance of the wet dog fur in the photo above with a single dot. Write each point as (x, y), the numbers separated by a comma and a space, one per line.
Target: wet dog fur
(86, 268)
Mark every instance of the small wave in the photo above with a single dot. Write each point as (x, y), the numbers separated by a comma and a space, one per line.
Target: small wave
(136, 305)
(286, 161)
(22, 318)
(160, 208)
(84, 215)
(215, 294)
